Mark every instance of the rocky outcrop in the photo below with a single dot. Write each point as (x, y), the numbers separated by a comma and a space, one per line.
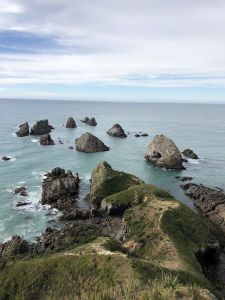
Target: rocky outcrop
(105, 181)
(89, 143)
(144, 134)
(16, 246)
(91, 121)
(22, 191)
(184, 178)
(162, 152)
(117, 131)
(23, 131)
(211, 203)
(208, 255)
(190, 153)
(59, 190)
(70, 123)
(46, 140)
(41, 127)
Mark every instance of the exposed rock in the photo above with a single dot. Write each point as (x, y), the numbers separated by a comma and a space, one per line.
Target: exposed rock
(105, 181)
(211, 203)
(137, 135)
(40, 128)
(46, 140)
(190, 153)
(22, 191)
(117, 131)
(23, 131)
(184, 178)
(16, 246)
(208, 255)
(89, 143)
(59, 190)
(70, 147)
(91, 121)
(144, 134)
(71, 123)
(162, 152)
(6, 158)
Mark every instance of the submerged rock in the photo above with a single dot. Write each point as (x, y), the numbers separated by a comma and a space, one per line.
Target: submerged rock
(144, 134)
(162, 152)
(117, 131)
(22, 203)
(59, 189)
(89, 143)
(23, 131)
(211, 203)
(6, 158)
(41, 127)
(71, 123)
(190, 153)
(137, 135)
(184, 178)
(46, 140)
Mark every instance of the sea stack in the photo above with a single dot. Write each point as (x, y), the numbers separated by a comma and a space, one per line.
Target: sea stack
(71, 123)
(190, 153)
(23, 131)
(117, 131)
(89, 143)
(162, 152)
(41, 127)
(46, 140)
(91, 121)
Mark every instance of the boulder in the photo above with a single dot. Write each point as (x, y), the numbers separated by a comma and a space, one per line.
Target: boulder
(6, 158)
(23, 130)
(89, 143)
(117, 131)
(137, 135)
(190, 153)
(162, 152)
(70, 123)
(85, 120)
(59, 189)
(41, 127)
(46, 140)
(22, 191)
(144, 134)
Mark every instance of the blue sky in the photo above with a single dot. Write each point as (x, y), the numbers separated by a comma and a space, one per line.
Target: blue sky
(113, 50)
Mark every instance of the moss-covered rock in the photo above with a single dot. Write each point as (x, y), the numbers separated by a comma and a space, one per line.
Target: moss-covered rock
(105, 182)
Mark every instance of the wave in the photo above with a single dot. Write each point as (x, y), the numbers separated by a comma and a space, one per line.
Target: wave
(87, 178)
(34, 140)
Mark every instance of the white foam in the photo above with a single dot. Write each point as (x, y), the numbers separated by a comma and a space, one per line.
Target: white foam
(34, 140)
(87, 178)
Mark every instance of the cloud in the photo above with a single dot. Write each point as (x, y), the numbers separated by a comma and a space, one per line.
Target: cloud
(126, 43)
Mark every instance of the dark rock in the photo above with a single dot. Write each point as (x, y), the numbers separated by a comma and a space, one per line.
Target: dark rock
(137, 135)
(71, 123)
(208, 255)
(16, 246)
(23, 131)
(46, 140)
(22, 191)
(117, 131)
(71, 148)
(40, 128)
(91, 122)
(89, 143)
(210, 202)
(6, 158)
(162, 152)
(184, 160)
(85, 120)
(20, 203)
(190, 153)
(144, 134)
(184, 178)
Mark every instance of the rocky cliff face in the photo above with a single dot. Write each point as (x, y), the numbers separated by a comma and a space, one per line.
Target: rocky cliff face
(89, 143)
(23, 131)
(117, 131)
(70, 123)
(41, 127)
(162, 152)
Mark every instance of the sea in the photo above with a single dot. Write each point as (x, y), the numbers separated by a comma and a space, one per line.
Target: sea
(200, 127)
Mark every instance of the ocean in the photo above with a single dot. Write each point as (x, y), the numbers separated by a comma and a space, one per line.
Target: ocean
(200, 127)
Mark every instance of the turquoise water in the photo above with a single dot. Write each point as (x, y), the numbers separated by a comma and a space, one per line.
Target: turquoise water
(200, 127)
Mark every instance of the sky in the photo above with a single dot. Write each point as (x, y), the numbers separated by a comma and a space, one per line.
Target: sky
(117, 50)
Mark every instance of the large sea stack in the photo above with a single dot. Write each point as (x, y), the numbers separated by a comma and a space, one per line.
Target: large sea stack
(23, 131)
(41, 127)
(71, 123)
(89, 143)
(162, 152)
(117, 131)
